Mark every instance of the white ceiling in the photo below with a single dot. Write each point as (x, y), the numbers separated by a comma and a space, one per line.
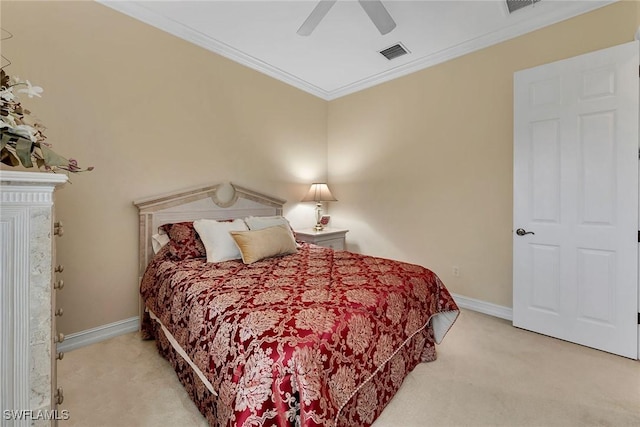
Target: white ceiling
(342, 55)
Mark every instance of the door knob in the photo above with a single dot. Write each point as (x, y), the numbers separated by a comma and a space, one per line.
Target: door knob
(522, 232)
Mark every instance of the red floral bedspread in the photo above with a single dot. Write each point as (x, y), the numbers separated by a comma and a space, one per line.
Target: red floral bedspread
(315, 338)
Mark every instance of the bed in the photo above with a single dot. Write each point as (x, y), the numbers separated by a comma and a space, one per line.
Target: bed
(305, 336)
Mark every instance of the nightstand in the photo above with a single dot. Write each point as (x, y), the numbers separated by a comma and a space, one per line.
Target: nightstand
(329, 237)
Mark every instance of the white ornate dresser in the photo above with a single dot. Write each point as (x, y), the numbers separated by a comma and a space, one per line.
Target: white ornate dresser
(28, 391)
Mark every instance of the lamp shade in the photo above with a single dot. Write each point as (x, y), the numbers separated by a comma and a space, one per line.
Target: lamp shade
(319, 192)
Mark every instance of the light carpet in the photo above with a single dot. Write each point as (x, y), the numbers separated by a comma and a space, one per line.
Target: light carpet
(488, 373)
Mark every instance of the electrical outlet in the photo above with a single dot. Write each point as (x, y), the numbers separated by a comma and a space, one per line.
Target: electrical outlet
(456, 271)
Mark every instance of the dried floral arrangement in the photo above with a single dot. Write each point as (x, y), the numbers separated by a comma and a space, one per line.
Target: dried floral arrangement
(22, 139)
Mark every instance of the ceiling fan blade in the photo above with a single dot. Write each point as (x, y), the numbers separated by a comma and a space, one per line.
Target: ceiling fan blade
(315, 17)
(378, 15)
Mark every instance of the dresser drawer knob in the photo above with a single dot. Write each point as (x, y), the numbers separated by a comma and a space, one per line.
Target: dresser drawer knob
(59, 312)
(59, 269)
(59, 284)
(59, 396)
(60, 355)
(57, 228)
(59, 337)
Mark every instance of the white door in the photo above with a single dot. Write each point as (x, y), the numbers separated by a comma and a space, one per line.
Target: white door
(575, 272)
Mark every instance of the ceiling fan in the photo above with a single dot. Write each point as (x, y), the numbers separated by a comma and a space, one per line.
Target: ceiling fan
(374, 8)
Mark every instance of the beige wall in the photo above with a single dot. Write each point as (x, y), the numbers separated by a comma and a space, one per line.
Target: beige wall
(422, 165)
(153, 114)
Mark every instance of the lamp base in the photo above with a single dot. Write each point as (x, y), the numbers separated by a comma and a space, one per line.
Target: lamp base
(318, 227)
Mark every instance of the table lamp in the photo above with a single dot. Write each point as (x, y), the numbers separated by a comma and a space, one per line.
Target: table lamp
(319, 192)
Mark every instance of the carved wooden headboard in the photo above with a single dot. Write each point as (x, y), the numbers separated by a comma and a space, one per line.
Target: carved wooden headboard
(220, 201)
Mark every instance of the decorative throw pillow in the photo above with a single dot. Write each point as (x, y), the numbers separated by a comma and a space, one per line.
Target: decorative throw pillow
(264, 243)
(216, 238)
(184, 242)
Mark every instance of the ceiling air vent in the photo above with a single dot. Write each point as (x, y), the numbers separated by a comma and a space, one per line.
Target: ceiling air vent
(514, 5)
(394, 51)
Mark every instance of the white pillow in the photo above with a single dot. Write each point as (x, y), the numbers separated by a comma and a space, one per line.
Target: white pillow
(158, 240)
(262, 222)
(218, 243)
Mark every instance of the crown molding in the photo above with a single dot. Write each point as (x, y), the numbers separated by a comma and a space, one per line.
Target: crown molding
(137, 11)
(141, 13)
(44, 178)
(577, 8)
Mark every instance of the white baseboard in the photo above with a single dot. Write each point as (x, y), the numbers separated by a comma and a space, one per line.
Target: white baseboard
(101, 333)
(483, 307)
(104, 332)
